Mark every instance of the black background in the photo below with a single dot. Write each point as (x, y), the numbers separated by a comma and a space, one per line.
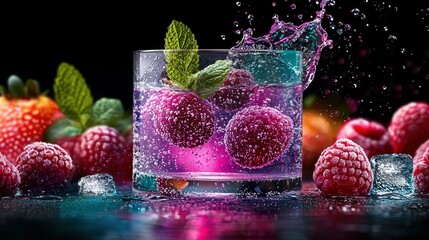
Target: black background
(99, 38)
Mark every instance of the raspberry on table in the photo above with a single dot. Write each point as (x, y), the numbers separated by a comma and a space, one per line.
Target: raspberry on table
(184, 119)
(421, 176)
(256, 136)
(370, 135)
(9, 177)
(409, 127)
(343, 169)
(44, 168)
(235, 91)
(421, 153)
(102, 149)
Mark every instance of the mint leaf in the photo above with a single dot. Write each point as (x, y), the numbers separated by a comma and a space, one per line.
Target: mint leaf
(107, 110)
(180, 64)
(63, 127)
(72, 94)
(208, 80)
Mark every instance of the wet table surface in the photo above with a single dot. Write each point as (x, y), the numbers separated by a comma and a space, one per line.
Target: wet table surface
(307, 215)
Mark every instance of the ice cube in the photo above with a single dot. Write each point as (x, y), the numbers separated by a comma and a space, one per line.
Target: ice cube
(100, 184)
(393, 173)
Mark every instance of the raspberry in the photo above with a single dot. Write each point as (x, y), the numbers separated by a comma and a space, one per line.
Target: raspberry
(102, 149)
(409, 127)
(370, 135)
(421, 176)
(235, 91)
(256, 136)
(421, 153)
(9, 177)
(343, 169)
(44, 168)
(183, 118)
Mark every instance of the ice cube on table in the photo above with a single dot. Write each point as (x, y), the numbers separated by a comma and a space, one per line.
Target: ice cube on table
(393, 173)
(100, 184)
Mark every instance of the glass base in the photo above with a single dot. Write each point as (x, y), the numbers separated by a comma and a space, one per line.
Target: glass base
(215, 185)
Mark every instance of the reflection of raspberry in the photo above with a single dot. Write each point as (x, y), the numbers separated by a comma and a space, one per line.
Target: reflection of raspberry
(44, 168)
(371, 136)
(256, 136)
(9, 177)
(421, 176)
(235, 91)
(343, 169)
(184, 118)
(409, 127)
(420, 153)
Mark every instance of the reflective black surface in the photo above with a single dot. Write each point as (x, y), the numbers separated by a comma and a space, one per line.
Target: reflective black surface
(308, 215)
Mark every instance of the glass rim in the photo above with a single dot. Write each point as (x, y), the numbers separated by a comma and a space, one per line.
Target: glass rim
(216, 50)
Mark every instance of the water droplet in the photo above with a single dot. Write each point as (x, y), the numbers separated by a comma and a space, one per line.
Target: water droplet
(355, 12)
(293, 6)
(238, 4)
(274, 4)
(223, 37)
(236, 23)
(362, 16)
(299, 16)
(386, 28)
(347, 27)
(250, 17)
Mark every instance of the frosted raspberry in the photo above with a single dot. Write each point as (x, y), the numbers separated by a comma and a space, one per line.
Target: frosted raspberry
(409, 127)
(102, 149)
(235, 91)
(183, 118)
(421, 176)
(421, 153)
(44, 168)
(370, 135)
(9, 177)
(256, 136)
(343, 169)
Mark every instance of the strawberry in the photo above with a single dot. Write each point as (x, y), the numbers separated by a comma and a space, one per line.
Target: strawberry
(24, 116)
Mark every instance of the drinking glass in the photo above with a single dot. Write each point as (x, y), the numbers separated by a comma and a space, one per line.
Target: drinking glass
(243, 139)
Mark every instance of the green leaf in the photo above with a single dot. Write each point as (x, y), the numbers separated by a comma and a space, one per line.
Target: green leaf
(72, 94)
(63, 127)
(16, 87)
(208, 80)
(181, 53)
(107, 110)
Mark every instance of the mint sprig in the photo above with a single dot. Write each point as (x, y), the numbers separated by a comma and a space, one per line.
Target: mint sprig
(181, 53)
(75, 100)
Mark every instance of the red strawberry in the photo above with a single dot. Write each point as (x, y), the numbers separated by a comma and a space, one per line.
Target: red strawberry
(9, 177)
(409, 127)
(44, 168)
(24, 117)
(102, 149)
(343, 169)
(370, 135)
(183, 118)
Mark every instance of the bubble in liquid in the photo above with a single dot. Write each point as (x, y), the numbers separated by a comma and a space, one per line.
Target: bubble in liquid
(238, 4)
(386, 28)
(347, 27)
(223, 37)
(293, 6)
(274, 4)
(236, 23)
(299, 16)
(250, 17)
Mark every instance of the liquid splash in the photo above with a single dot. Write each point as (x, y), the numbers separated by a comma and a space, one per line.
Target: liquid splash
(310, 38)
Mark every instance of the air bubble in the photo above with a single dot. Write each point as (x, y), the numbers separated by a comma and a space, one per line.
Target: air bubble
(238, 4)
(293, 6)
